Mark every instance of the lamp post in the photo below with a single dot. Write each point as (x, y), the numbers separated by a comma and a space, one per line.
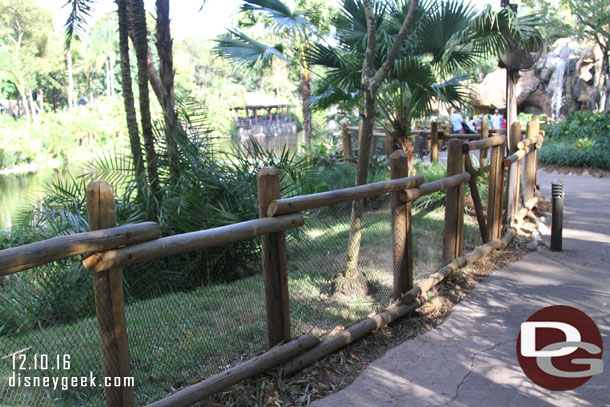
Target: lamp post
(512, 77)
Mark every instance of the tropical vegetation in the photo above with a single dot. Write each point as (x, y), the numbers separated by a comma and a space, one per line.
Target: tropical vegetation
(581, 140)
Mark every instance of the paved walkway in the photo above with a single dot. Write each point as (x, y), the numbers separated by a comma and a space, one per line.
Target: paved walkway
(470, 360)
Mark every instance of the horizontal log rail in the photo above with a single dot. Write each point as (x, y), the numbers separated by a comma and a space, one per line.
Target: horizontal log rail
(36, 254)
(529, 141)
(378, 132)
(205, 388)
(519, 154)
(484, 143)
(186, 242)
(349, 335)
(428, 188)
(459, 136)
(300, 203)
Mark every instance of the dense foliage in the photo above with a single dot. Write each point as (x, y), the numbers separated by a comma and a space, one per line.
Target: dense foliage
(67, 136)
(581, 140)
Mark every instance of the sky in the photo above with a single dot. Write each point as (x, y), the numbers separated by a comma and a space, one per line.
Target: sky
(186, 19)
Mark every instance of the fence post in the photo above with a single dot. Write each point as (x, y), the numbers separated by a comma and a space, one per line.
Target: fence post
(484, 135)
(434, 142)
(347, 144)
(454, 204)
(402, 235)
(275, 263)
(494, 195)
(533, 127)
(109, 303)
(513, 182)
(389, 141)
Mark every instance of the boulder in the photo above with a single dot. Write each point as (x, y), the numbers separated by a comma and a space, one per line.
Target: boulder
(568, 75)
(490, 93)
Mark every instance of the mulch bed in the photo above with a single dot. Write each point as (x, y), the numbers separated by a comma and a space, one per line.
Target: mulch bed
(574, 170)
(338, 370)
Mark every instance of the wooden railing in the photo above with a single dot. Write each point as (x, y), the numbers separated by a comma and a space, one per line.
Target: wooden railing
(109, 248)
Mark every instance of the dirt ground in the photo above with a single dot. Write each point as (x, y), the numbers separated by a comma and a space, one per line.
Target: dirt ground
(339, 369)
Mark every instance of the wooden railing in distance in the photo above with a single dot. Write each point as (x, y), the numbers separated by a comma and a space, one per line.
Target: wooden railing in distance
(300, 203)
(36, 254)
(186, 242)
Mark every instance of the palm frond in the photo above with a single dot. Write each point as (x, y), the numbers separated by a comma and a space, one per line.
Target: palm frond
(76, 23)
(279, 16)
(243, 50)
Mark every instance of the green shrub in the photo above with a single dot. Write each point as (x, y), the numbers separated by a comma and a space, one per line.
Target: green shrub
(581, 140)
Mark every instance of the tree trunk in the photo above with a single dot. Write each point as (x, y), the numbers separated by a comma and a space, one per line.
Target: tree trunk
(32, 107)
(70, 81)
(352, 279)
(40, 99)
(128, 99)
(166, 70)
(305, 94)
(138, 16)
(26, 109)
(151, 71)
(607, 103)
(111, 63)
(107, 77)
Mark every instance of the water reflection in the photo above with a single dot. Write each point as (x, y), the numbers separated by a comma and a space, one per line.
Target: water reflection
(291, 141)
(19, 190)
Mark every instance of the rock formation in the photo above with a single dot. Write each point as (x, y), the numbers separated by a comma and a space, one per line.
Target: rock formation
(565, 79)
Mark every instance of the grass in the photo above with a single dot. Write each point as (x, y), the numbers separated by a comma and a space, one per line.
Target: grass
(180, 337)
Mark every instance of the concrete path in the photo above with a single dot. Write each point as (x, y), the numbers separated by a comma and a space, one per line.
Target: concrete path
(470, 360)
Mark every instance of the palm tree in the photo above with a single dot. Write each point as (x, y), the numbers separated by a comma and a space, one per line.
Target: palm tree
(291, 28)
(447, 39)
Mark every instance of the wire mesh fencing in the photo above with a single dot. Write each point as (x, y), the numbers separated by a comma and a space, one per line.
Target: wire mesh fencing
(178, 334)
(318, 258)
(47, 339)
(194, 315)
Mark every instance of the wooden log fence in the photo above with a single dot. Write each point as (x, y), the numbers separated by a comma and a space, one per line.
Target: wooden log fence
(36, 254)
(109, 302)
(454, 204)
(304, 202)
(402, 234)
(114, 247)
(275, 263)
(186, 242)
(408, 303)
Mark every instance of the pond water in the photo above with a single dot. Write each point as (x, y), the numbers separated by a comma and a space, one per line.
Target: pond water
(292, 141)
(18, 190)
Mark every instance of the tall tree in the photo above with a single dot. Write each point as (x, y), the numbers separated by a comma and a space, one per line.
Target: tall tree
(166, 71)
(24, 39)
(128, 98)
(593, 23)
(446, 39)
(138, 15)
(372, 78)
